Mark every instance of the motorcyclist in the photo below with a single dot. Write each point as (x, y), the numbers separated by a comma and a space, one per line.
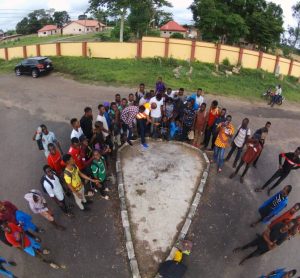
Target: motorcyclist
(276, 96)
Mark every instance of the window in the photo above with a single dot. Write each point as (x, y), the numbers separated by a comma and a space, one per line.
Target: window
(79, 30)
(45, 33)
(87, 29)
(97, 29)
(165, 32)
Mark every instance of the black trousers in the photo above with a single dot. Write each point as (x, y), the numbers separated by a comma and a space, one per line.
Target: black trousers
(239, 167)
(260, 244)
(207, 135)
(278, 174)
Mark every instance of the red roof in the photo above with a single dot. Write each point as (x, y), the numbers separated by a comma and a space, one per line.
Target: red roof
(89, 23)
(48, 28)
(173, 26)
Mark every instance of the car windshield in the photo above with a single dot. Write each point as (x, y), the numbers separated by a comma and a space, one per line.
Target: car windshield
(47, 60)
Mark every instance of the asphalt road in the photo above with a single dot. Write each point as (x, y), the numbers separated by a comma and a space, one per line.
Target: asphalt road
(93, 242)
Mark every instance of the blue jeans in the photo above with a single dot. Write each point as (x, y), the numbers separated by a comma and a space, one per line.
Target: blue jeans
(219, 156)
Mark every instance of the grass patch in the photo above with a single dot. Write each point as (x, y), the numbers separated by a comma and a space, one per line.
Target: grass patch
(249, 84)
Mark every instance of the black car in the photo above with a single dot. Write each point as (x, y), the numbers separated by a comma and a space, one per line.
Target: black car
(34, 66)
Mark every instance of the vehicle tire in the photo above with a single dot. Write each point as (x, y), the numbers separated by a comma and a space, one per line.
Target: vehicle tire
(279, 102)
(18, 72)
(35, 73)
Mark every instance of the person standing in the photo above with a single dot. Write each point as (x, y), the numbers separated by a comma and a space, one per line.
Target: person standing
(8, 212)
(156, 103)
(114, 114)
(262, 133)
(226, 130)
(54, 159)
(72, 177)
(187, 120)
(270, 239)
(160, 86)
(38, 205)
(128, 117)
(101, 118)
(86, 122)
(286, 217)
(280, 273)
(77, 131)
(273, 206)
(3, 270)
(240, 139)
(48, 137)
(214, 132)
(142, 120)
(52, 186)
(199, 125)
(198, 97)
(140, 93)
(253, 150)
(291, 162)
(213, 114)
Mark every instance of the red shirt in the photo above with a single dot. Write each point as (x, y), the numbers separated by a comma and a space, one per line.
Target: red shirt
(14, 237)
(9, 213)
(212, 116)
(75, 153)
(55, 162)
(284, 218)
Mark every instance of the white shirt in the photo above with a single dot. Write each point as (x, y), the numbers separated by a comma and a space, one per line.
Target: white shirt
(156, 113)
(105, 125)
(57, 190)
(239, 140)
(171, 95)
(76, 133)
(199, 100)
(278, 91)
(143, 101)
(46, 139)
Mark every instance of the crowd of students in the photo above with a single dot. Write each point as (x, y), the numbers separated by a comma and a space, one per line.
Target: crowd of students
(85, 170)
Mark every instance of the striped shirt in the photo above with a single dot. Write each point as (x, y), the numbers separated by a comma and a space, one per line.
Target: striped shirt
(224, 134)
(128, 115)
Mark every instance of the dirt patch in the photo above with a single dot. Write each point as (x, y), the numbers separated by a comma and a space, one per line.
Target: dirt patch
(140, 192)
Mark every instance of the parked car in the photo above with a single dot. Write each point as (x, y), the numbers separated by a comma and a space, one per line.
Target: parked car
(34, 66)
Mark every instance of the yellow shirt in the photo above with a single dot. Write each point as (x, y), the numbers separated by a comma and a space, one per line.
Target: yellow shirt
(225, 133)
(75, 181)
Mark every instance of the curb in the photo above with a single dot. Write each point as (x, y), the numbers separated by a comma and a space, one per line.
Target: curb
(124, 212)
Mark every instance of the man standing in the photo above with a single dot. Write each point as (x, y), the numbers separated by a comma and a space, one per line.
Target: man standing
(86, 122)
(72, 178)
(214, 132)
(214, 113)
(280, 273)
(240, 139)
(226, 131)
(128, 116)
(54, 159)
(187, 120)
(101, 118)
(270, 239)
(273, 206)
(262, 133)
(51, 184)
(77, 131)
(198, 97)
(286, 217)
(47, 138)
(3, 270)
(291, 162)
(142, 120)
(253, 150)
(200, 124)
(140, 93)
(156, 103)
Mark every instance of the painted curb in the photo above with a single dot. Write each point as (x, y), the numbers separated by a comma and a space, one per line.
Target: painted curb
(124, 212)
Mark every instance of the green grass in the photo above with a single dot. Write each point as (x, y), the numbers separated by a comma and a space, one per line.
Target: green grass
(129, 72)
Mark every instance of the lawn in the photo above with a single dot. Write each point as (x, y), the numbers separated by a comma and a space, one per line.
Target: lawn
(249, 84)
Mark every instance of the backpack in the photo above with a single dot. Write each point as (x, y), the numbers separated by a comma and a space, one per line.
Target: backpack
(43, 179)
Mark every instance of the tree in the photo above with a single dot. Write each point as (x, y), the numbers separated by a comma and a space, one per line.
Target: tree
(22, 27)
(61, 18)
(294, 32)
(177, 36)
(257, 21)
(161, 18)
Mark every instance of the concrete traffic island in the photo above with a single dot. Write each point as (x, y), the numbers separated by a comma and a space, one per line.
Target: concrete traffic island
(159, 189)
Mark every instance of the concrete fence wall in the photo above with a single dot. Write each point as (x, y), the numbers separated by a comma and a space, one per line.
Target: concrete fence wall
(150, 47)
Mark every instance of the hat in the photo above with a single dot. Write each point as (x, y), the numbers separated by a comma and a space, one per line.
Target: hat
(82, 138)
(106, 104)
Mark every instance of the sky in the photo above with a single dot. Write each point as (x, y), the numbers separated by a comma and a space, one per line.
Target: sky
(12, 11)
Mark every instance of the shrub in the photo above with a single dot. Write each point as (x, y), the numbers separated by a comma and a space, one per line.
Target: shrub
(115, 33)
(177, 36)
(153, 33)
(226, 62)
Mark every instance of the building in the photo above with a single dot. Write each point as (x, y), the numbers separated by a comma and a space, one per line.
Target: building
(170, 28)
(48, 30)
(78, 27)
(2, 34)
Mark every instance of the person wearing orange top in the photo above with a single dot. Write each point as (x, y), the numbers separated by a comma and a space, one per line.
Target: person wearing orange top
(226, 131)
(213, 114)
(54, 159)
(286, 217)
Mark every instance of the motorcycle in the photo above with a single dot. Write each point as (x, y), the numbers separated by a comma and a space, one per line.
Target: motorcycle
(268, 95)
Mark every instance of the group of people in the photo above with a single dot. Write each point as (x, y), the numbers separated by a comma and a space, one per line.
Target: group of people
(85, 169)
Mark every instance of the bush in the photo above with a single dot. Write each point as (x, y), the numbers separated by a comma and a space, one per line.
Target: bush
(115, 33)
(177, 36)
(226, 62)
(104, 37)
(153, 33)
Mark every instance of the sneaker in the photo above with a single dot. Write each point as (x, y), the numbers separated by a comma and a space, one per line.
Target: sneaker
(106, 189)
(219, 170)
(105, 197)
(145, 146)
(53, 265)
(46, 251)
(86, 209)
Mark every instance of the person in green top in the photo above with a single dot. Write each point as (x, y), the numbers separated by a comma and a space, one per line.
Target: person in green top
(98, 168)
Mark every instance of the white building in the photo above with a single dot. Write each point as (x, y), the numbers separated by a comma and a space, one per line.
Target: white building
(48, 30)
(78, 27)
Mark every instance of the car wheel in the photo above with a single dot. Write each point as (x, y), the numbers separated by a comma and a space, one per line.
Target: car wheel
(18, 72)
(279, 102)
(35, 73)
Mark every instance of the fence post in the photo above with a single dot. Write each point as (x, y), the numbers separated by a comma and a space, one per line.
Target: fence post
(276, 63)
(218, 51)
(38, 50)
(241, 52)
(291, 67)
(58, 49)
(139, 49)
(260, 57)
(6, 53)
(84, 49)
(24, 51)
(167, 42)
(193, 51)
